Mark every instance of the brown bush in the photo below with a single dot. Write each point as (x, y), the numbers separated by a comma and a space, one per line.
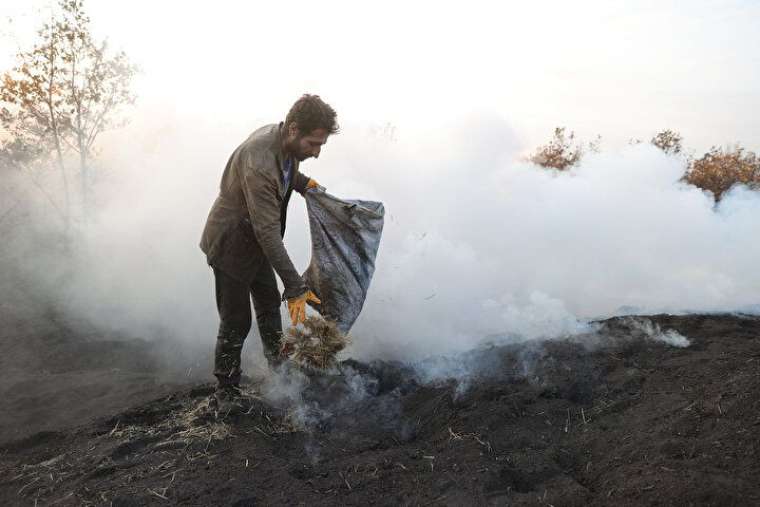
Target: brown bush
(668, 141)
(562, 151)
(719, 169)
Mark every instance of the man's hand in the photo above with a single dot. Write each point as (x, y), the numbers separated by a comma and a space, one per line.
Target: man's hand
(297, 306)
(312, 184)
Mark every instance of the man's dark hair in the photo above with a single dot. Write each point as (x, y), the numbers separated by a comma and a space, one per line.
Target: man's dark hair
(310, 113)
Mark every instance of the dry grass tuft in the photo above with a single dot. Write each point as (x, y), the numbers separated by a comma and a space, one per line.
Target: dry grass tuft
(315, 345)
(209, 431)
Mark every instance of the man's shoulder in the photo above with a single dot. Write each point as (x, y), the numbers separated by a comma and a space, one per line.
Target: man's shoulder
(262, 138)
(258, 146)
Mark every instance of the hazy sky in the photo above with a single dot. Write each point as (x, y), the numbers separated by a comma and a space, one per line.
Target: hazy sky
(621, 69)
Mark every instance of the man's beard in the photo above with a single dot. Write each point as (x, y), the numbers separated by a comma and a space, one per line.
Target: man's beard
(293, 148)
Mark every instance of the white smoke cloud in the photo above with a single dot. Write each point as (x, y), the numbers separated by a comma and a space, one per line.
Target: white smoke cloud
(477, 243)
(505, 247)
(654, 332)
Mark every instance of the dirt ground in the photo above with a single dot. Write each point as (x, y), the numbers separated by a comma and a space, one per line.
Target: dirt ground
(58, 372)
(613, 417)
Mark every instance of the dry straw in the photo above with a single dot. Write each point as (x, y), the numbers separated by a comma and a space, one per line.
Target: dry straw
(315, 345)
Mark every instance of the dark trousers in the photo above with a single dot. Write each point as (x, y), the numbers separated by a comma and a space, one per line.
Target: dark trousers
(234, 305)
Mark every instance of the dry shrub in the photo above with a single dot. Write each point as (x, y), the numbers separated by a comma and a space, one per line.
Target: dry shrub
(563, 150)
(669, 141)
(720, 169)
(315, 345)
(717, 171)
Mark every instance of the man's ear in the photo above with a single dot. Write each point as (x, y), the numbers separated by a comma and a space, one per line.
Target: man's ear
(293, 129)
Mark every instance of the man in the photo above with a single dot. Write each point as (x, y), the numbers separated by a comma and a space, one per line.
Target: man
(242, 239)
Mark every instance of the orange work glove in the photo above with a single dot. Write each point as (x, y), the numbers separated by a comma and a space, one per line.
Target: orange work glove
(312, 184)
(297, 306)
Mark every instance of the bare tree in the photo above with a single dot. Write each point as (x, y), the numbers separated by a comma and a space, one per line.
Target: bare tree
(63, 92)
(98, 85)
(33, 113)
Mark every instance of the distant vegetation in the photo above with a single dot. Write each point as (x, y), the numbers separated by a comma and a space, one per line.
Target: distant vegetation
(719, 169)
(668, 141)
(64, 91)
(716, 171)
(563, 150)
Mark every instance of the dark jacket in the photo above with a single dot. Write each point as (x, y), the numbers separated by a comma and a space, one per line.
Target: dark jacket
(247, 221)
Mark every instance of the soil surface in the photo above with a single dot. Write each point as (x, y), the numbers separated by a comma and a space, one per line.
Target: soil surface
(58, 371)
(613, 417)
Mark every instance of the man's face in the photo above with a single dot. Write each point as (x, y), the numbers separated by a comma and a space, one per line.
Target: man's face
(305, 146)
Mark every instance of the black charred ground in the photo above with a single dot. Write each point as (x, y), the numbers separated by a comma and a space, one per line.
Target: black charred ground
(611, 418)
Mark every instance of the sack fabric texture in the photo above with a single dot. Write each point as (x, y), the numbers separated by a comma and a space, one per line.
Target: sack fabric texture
(345, 237)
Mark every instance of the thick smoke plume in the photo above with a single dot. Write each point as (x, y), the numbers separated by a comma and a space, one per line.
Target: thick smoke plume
(478, 245)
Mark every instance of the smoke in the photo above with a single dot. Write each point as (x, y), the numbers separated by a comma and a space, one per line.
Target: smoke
(484, 244)
(336, 399)
(285, 389)
(652, 331)
(478, 245)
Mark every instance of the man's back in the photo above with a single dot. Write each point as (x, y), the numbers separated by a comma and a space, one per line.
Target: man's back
(251, 194)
